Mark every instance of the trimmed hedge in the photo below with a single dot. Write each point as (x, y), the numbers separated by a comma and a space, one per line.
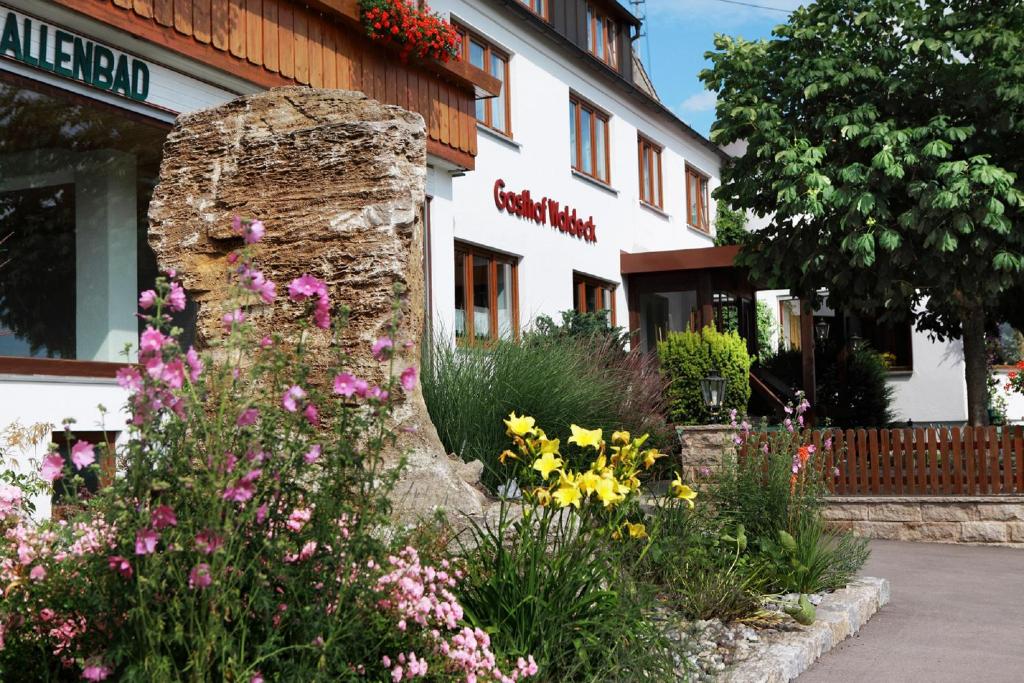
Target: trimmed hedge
(688, 357)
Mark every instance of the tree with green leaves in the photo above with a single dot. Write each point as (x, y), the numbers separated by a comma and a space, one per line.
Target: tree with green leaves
(885, 141)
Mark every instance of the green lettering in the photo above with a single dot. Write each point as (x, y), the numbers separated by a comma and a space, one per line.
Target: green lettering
(59, 56)
(103, 68)
(26, 43)
(81, 67)
(43, 64)
(10, 42)
(140, 80)
(122, 83)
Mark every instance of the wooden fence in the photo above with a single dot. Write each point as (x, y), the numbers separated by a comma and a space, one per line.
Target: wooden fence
(932, 461)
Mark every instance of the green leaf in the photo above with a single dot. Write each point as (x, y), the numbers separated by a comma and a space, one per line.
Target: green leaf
(889, 239)
(865, 203)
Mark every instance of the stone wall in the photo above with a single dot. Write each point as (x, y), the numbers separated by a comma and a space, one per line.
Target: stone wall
(703, 446)
(989, 520)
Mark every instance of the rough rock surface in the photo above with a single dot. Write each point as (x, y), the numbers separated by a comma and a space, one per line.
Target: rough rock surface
(338, 179)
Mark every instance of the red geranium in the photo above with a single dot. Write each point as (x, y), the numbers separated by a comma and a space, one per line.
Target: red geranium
(414, 31)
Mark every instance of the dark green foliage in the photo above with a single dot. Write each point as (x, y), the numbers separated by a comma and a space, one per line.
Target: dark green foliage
(687, 357)
(730, 225)
(811, 559)
(767, 325)
(576, 325)
(856, 393)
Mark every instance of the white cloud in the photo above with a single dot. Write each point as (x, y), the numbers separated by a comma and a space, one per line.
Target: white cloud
(702, 101)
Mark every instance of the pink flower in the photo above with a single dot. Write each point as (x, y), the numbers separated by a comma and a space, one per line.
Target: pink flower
(261, 513)
(301, 288)
(248, 417)
(382, 348)
(289, 401)
(298, 518)
(129, 378)
(38, 573)
(256, 678)
(322, 313)
(147, 299)
(46, 614)
(195, 364)
(230, 320)
(251, 231)
(244, 488)
(95, 672)
(121, 565)
(208, 542)
(312, 455)
(266, 343)
(145, 541)
(82, 454)
(52, 468)
(163, 516)
(344, 384)
(10, 496)
(361, 387)
(312, 414)
(151, 341)
(176, 298)
(200, 576)
(408, 378)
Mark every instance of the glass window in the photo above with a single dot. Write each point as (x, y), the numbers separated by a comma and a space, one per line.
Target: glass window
(492, 280)
(492, 112)
(586, 143)
(73, 200)
(697, 200)
(539, 7)
(590, 295)
(602, 37)
(650, 172)
(589, 140)
(600, 154)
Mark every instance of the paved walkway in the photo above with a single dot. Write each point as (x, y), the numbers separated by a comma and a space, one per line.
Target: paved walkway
(957, 614)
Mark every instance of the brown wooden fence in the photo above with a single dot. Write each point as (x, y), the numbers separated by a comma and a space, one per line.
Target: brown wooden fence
(933, 461)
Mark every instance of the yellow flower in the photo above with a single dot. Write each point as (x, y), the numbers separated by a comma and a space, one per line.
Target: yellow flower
(546, 464)
(599, 463)
(607, 490)
(620, 437)
(636, 530)
(682, 491)
(548, 445)
(543, 496)
(506, 455)
(650, 455)
(519, 425)
(585, 437)
(568, 493)
(588, 482)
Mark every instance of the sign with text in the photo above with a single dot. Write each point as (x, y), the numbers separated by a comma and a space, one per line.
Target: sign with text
(43, 46)
(544, 211)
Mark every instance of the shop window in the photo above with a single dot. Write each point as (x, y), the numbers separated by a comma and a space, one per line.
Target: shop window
(539, 7)
(73, 247)
(602, 36)
(697, 200)
(493, 112)
(590, 295)
(650, 172)
(588, 143)
(486, 295)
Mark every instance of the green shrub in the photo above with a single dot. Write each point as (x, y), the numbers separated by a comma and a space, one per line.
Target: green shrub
(811, 560)
(767, 328)
(687, 357)
(576, 325)
(730, 225)
(857, 395)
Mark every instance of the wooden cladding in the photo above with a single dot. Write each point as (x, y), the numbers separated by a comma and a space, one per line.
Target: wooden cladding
(283, 42)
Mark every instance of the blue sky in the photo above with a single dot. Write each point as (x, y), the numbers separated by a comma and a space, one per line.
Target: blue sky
(681, 31)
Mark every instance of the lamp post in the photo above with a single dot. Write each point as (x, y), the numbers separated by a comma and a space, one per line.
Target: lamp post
(712, 390)
(821, 330)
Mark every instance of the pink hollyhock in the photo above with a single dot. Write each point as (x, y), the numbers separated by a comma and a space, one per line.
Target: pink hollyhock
(38, 573)
(301, 288)
(176, 298)
(312, 455)
(151, 340)
(361, 387)
(121, 565)
(248, 417)
(173, 373)
(208, 542)
(266, 343)
(200, 576)
(291, 396)
(251, 231)
(261, 513)
(229, 320)
(46, 614)
(163, 516)
(256, 678)
(95, 672)
(10, 496)
(298, 518)
(312, 414)
(408, 379)
(82, 454)
(322, 313)
(129, 378)
(195, 364)
(147, 299)
(145, 541)
(382, 348)
(344, 384)
(52, 468)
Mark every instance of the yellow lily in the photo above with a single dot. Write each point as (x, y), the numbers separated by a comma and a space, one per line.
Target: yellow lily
(682, 491)
(546, 464)
(585, 437)
(548, 445)
(636, 530)
(507, 455)
(543, 496)
(620, 437)
(588, 482)
(650, 456)
(607, 491)
(568, 493)
(519, 425)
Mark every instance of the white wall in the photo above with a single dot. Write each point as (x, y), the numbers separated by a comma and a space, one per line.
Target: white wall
(936, 390)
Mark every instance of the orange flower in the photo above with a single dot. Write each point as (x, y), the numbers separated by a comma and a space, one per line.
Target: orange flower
(805, 454)
(792, 484)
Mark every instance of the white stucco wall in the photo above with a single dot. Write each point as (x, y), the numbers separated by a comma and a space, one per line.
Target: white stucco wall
(936, 390)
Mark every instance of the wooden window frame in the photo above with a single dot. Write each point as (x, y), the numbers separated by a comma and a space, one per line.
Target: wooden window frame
(467, 35)
(545, 8)
(494, 258)
(580, 282)
(578, 104)
(646, 148)
(600, 20)
(704, 202)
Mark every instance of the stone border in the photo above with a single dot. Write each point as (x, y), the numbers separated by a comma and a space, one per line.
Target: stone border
(790, 653)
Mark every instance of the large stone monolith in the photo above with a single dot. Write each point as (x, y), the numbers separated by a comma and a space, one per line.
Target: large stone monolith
(338, 179)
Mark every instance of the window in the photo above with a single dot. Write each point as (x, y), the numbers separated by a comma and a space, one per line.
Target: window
(590, 295)
(602, 37)
(539, 7)
(697, 200)
(588, 142)
(895, 341)
(492, 112)
(650, 173)
(73, 247)
(485, 283)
